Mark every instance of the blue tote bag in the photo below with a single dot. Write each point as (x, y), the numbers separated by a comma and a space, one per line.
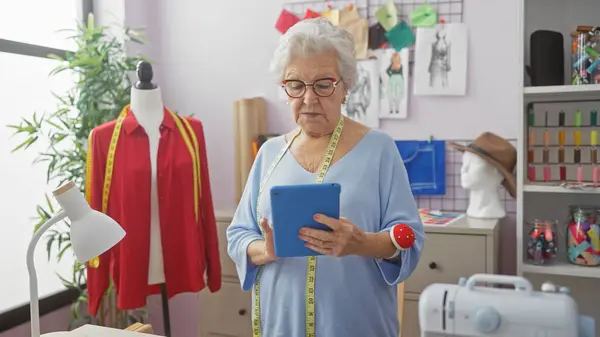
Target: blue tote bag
(425, 163)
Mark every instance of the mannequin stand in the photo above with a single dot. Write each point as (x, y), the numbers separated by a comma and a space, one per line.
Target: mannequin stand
(165, 310)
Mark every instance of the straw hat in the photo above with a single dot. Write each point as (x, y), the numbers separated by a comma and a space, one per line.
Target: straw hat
(498, 152)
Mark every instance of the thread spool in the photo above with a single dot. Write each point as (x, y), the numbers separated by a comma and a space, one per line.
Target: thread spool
(547, 174)
(593, 150)
(579, 174)
(593, 118)
(563, 173)
(596, 175)
(530, 156)
(531, 138)
(561, 155)
(530, 118)
(531, 173)
(577, 138)
(561, 118)
(578, 118)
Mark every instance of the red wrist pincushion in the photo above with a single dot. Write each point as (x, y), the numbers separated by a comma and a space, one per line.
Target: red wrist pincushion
(403, 236)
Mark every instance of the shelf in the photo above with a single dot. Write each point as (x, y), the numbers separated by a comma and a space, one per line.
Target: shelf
(558, 189)
(562, 93)
(562, 89)
(563, 269)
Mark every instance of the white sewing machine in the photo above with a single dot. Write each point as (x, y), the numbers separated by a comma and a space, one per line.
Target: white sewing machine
(468, 310)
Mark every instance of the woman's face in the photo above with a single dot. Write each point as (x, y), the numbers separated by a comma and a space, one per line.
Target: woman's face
(316, 115)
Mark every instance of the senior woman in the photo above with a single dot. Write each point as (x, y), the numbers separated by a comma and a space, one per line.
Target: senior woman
(353, 291)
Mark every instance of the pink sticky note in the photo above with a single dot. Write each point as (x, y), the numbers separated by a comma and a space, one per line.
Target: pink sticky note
(285, 21)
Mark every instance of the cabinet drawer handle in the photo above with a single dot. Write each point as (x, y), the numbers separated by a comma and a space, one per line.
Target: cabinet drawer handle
(242, 312)
(432, 265)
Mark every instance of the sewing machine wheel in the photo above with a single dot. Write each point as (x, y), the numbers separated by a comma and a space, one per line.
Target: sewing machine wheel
(487, 319)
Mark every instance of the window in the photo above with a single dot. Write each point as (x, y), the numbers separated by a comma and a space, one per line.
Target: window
(26, 88)
(38, 21)
(29, 31)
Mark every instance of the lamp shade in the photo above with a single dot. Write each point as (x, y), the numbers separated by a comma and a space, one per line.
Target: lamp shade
(92, 232)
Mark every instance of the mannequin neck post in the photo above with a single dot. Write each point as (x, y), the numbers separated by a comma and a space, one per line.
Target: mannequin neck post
(147, 107)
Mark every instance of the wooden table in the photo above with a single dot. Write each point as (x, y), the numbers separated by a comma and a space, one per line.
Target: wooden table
(100, 331)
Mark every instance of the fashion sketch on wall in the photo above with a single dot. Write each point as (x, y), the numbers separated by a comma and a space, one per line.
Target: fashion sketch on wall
(441, 60)
(393, 75)
(362, 102)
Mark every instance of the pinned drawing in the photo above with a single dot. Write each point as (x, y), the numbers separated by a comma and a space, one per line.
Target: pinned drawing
(441, 60)
(362, 102)
(393, 74)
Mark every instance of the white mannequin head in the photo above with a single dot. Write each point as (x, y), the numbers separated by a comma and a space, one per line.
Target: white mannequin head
(482, 180)
(476, 173)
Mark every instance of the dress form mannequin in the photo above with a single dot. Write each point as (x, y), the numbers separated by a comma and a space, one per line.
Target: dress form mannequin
(482, 180)
(148, 109)
(145, 150)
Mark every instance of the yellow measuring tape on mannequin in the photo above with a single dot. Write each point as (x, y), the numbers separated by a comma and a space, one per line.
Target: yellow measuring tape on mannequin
(311, 269)
(192, 146)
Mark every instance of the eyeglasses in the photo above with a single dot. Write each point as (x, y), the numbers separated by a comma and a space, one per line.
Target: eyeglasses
(323, 87)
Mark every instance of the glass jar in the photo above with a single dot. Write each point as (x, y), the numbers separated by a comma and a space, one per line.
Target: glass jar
(583, 236)
(585, 56)
(542, 241)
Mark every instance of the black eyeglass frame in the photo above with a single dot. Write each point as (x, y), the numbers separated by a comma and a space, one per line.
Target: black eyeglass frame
(334, 80)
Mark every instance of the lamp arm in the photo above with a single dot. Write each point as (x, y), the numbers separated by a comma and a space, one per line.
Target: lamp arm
(33, 283)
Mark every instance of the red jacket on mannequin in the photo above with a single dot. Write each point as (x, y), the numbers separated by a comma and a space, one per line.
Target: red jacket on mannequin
(190, 247)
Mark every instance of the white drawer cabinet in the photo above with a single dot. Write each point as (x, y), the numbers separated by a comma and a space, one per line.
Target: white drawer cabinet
(228, 311)
(461, 249)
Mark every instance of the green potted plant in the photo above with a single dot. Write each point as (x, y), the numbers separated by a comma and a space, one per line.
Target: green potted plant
(101, 88)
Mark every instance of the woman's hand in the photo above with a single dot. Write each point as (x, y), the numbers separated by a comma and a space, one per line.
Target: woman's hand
(269, 248)
(263, 251)
(345, 239)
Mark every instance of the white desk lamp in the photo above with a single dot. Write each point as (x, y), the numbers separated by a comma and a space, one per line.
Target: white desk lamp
(92, 233)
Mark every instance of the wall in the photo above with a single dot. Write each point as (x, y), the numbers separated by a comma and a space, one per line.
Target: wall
(206, 57)
(205, 64)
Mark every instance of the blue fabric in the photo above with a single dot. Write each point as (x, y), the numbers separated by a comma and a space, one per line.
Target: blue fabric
(425, 163)
(355, 296)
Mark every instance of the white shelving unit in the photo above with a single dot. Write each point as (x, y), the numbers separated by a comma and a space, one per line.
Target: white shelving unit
(541, 188)
(562, 90)
(539, 200)
(563, 269)
(550, 201)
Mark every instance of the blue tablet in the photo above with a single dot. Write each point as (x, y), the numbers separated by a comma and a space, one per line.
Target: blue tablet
(293, 207)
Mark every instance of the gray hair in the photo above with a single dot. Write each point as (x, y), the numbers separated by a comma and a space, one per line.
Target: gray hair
(313, 36)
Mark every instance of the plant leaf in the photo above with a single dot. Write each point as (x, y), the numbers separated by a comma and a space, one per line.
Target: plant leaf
(100, 68)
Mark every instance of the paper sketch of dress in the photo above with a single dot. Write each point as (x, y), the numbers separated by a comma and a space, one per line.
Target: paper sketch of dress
(359, 97)
(395, 84)
(439, 66)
